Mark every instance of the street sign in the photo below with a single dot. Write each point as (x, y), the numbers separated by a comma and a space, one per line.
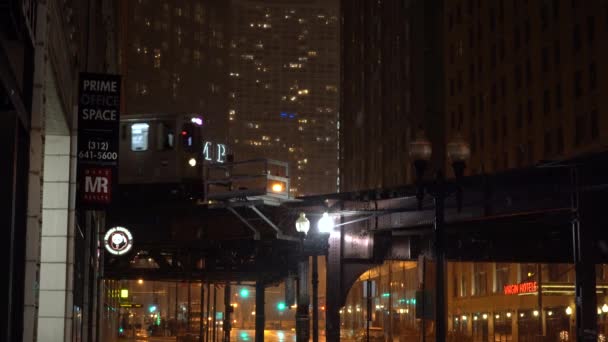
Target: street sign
(98, 125)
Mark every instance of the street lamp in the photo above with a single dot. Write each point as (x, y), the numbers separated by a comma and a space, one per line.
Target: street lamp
(326, 224)
(302, 224)
(458, 152)
(313, 243)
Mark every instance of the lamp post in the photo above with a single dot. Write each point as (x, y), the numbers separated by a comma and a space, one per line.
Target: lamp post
(458, 152)
(317, 241)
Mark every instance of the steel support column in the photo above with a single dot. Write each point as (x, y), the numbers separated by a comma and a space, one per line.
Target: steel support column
(208, 310)
(315, 299)
(214, 313)
(227, 319)
(260, 319)
(584, 265)
(333, 288)
(302, 317)
(201, 315)
(440, 304)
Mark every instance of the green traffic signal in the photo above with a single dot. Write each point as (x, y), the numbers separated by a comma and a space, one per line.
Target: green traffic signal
(244, 292)
(281, 306)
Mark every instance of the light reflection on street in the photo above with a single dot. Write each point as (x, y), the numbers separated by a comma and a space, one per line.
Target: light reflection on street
(236, 335)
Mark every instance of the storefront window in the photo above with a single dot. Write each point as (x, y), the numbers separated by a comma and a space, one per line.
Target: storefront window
(557, 322)
(503, 325)
(480, 327)
(529, 326)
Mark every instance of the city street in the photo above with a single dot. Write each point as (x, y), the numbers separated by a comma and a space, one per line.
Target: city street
(236, 335)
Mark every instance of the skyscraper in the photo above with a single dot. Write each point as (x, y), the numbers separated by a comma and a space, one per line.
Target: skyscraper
(392, 88)
(524, 79)
(174, 59)
(284, 97)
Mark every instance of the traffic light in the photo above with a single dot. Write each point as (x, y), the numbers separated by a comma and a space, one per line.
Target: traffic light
(244, 293)
(281, 306)
(152, 308)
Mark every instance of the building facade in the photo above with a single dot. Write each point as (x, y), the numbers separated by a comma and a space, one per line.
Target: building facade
(53, 270)
(174, 58)
(523, 80)
(284, 88)
(520, 81)
(487, 301)
(391, 88)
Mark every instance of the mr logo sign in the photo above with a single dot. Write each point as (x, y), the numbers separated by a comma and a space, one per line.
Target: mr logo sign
(98, 185)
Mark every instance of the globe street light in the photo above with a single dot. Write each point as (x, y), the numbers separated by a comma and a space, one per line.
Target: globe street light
(302, 224)
(458, 152)
(317, 241)
(326, 224)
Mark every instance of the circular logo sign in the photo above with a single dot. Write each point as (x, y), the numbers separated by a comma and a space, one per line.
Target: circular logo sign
(118, 240)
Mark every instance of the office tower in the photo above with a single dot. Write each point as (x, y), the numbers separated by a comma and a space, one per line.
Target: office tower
(284, 98)
(174, 60)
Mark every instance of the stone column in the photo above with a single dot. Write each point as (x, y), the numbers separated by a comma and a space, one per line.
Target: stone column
(57, 238)
(34, 207)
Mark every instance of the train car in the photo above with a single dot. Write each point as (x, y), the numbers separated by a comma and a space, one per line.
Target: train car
(160, 149)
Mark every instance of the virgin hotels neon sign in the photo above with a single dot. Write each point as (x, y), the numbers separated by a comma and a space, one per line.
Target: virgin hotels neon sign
(527, 287)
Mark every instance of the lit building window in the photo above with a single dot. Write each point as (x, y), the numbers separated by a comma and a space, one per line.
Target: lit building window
(139, 136)
(312, 53)
(157, 58)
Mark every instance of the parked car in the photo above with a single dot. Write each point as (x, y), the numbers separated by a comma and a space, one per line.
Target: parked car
(376, 334)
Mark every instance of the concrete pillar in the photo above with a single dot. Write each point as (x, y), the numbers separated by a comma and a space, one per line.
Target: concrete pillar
(57, 238)
(34, 207)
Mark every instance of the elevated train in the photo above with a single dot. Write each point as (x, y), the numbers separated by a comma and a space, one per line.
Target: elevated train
(161, 149)
(168, 155)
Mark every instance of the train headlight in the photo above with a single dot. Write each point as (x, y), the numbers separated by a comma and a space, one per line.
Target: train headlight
(277, 187)
(192, 162)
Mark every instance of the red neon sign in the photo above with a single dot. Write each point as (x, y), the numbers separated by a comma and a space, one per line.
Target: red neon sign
(513, 289)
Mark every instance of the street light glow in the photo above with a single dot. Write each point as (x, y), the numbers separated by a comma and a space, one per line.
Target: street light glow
(192, 162)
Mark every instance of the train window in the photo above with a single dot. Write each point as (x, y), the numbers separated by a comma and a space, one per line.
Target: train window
(139, 136)
(187, 134)
(165, 136)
